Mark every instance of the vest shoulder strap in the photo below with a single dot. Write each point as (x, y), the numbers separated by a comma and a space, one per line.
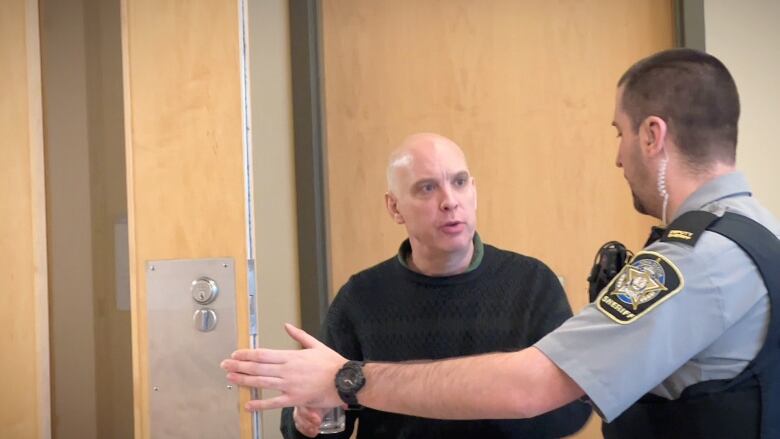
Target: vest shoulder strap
(688, 227)
(763, 247)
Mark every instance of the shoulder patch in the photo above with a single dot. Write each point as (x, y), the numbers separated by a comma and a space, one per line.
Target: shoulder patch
(644, 283)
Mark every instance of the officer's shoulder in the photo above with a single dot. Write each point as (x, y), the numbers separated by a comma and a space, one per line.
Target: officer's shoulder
(687, 241)
(689, 227)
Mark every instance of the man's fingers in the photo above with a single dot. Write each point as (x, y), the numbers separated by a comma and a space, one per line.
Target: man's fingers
(272, 383)
(307, 420)
(299, 335)
(261, 355)
(307, 430)
(310, 416)
(276, 402)
(252, 368)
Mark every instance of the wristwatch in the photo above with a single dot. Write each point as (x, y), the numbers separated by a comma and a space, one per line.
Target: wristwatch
(349, 381)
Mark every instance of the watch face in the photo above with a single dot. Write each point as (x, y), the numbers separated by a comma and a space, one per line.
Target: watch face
(349, 381)
(349, 378)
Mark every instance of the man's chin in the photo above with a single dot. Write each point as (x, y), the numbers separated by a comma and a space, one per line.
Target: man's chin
(458, 243)
(640, 207)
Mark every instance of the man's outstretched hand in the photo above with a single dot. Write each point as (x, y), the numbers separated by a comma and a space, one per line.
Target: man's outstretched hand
(304, 377)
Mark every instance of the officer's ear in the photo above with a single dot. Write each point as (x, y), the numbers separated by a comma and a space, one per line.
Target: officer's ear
(652, 135)
(391, 203)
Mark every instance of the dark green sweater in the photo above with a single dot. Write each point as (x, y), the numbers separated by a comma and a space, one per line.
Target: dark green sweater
(390, 313)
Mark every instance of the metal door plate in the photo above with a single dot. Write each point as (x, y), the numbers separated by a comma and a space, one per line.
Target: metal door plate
(189, 396)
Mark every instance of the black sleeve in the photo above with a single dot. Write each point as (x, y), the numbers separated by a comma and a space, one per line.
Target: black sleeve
(339, 334)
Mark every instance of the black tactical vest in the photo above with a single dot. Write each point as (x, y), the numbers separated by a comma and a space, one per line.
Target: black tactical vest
(747, 406)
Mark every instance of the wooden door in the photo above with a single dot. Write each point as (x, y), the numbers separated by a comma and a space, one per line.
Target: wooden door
(185, 155)
(24, 369)
(525, 87)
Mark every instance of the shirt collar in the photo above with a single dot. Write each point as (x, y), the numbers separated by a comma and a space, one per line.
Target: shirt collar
(405, 251)
(724, 186)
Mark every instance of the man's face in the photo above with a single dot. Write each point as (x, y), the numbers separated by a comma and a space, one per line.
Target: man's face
(436, 199)
(630, 158)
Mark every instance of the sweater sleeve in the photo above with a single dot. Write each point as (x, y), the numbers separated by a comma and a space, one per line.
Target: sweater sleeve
(549, 304)
(549, 309)
(339, 334)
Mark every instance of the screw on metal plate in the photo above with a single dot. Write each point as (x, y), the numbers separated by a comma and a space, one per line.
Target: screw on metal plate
(155, 388)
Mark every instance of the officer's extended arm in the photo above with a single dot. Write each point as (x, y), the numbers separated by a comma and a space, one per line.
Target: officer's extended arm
(511, 385)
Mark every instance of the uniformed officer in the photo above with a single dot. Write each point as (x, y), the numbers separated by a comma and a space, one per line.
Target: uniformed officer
(683, 342)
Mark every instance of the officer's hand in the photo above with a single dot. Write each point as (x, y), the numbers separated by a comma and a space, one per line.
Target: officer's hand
(304, 377)
(307, 420)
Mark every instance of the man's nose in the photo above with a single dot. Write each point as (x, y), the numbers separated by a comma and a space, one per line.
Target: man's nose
(449, 201)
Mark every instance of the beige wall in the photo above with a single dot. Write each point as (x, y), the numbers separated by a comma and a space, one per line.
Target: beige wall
(746, 37)
(90, 337)
(113, 361)
(69, 222)
(274, 180)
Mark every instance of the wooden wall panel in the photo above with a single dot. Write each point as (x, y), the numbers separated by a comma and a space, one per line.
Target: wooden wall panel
(24, 369)
(527, 90)
(183, 124)
(525, 87)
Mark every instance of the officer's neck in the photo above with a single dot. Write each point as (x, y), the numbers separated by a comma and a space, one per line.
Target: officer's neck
(682, 183)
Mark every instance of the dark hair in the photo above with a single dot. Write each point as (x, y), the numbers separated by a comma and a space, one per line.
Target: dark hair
(697, 97)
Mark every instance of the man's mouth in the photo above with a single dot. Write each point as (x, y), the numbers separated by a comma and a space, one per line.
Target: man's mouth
(453, 226)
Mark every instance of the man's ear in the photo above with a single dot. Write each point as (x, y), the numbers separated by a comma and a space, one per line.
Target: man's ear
(474, 187)
(391, 202)
(652, 135)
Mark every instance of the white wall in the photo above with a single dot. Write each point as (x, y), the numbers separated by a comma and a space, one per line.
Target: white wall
(274, 180)
(745, 35)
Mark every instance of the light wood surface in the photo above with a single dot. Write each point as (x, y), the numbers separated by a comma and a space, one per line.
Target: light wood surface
(183, 125)
(24, 370)
(527, 90)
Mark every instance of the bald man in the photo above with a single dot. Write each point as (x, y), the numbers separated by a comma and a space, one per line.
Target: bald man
(444, 294)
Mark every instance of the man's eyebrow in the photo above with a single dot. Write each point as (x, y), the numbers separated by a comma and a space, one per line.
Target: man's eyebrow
(461, 174)
(423, 181)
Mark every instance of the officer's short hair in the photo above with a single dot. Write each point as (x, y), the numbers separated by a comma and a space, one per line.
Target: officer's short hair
(697, 97)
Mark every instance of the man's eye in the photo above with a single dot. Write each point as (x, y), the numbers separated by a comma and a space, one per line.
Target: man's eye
(427, 188)
(460, 182)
